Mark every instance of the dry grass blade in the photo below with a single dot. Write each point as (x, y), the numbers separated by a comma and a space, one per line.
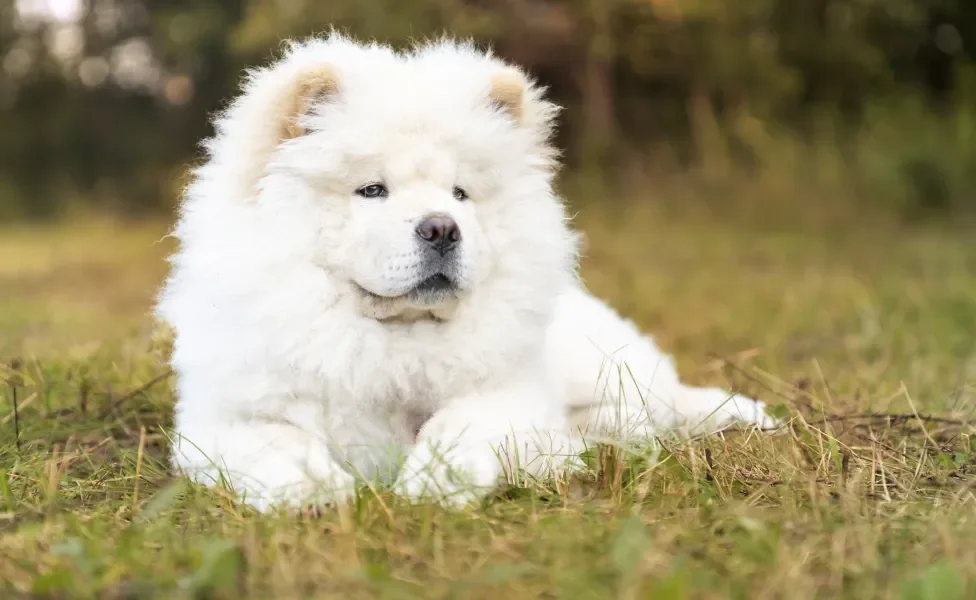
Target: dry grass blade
(866, 493)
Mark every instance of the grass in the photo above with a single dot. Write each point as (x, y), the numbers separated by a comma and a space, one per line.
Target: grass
(867, 337)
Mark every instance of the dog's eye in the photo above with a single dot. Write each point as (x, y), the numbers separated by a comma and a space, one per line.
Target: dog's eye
(373, 190)
(460, 194)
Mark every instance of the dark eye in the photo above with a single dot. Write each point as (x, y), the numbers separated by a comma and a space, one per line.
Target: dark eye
(460, 194)
(373, 190)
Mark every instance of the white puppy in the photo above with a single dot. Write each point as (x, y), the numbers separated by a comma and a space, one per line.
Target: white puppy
(373, 261)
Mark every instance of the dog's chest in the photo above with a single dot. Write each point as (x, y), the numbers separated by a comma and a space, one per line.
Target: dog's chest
(374, 443)
(420, 378)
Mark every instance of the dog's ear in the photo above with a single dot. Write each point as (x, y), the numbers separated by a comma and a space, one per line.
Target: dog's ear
(508, 88)
(517, 95)
(313, 86)
(272, 109)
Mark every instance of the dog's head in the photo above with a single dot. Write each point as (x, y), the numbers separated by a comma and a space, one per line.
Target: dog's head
(418, 179)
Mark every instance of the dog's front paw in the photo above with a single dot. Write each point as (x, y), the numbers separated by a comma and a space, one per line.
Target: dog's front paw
(452, 477)
(294, 490)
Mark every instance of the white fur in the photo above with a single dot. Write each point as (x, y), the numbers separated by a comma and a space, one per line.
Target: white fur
(294, 382)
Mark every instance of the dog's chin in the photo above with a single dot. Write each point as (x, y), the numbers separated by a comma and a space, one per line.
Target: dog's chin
(432, 291)
(432, 298)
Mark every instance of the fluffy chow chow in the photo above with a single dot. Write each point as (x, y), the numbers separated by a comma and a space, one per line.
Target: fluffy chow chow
(376, 281)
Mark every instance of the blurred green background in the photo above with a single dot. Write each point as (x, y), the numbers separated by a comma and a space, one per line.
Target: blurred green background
(785, 105)
(781, 192)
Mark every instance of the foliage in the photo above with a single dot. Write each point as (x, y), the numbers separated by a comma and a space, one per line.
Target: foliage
(110, 109)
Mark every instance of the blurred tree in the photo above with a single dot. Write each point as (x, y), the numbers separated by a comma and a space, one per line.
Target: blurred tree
(106, 105)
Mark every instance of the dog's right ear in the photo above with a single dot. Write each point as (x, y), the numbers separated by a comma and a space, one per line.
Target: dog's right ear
(311, 87)
(273, 108)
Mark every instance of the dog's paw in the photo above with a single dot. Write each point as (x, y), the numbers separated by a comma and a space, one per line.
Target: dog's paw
(454, 477)
(753, 412)
(296, 492)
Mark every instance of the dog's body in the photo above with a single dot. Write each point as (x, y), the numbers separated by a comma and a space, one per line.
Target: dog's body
(373, 261)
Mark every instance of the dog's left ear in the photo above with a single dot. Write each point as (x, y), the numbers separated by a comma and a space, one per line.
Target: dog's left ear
(517, 95)
(508, 87)
(318, 85)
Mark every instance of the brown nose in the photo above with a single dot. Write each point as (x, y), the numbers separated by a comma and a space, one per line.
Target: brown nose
(440, 232)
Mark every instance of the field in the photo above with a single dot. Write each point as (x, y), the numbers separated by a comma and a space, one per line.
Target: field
(865, 337)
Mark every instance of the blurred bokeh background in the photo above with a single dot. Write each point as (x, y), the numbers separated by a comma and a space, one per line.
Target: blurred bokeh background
(727, 161)
(781, 192)
(784, 105)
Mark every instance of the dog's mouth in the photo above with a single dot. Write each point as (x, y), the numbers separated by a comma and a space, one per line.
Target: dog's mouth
(428, 291)
(434, 298)
(436, 284)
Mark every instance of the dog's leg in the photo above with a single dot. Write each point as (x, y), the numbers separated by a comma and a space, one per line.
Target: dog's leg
(649, 411)
(469, 447)
(265, 464)
(628, 398)
(618, 383)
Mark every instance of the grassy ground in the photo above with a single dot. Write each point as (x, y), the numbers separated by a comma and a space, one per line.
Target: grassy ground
(868, 338)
